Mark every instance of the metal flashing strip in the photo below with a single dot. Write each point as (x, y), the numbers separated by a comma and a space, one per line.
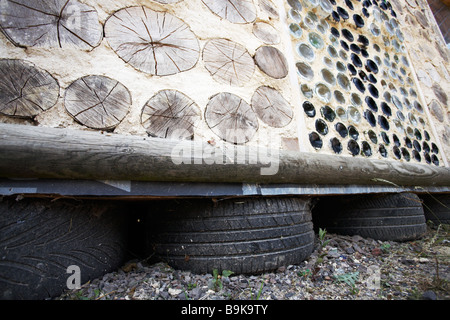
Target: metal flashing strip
(142, 189)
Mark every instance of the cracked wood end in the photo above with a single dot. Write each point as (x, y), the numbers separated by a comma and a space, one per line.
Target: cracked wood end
(235, 11)
(170, 114)
(266, 33)
(58, 23)
(168, 1)
(228, 62)
(25, 91)
(153, 42)
(97, 102)
(231, 118)
(269, 8)
(271, 107)
(271, 61)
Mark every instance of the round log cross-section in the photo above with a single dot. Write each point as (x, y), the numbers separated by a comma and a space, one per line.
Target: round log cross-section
(231, 118)
(271, 61)
(170, 114)
(271, 107)
(25, 91)
(97, 102)
(168, 1)
(153, 42)
(235, 11)
(228, 62)
(266, 33)
(57, 23)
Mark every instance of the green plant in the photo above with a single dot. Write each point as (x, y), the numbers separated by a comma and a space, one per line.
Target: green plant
(258, 295)
(322, 234)
(216, 282)
(385, 247)
(323, 243)
(350, 279)
(315, 268)
(305, 274)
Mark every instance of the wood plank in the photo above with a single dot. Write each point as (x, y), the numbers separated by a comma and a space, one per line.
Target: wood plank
(38, 152)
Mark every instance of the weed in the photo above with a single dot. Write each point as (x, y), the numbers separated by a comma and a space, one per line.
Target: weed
(216, 282)
(385, 247)
(350, 279)
(322, 234)
(305, 274)
(258, 295)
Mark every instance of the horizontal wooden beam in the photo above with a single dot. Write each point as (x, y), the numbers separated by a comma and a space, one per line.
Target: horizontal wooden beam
(39, 152)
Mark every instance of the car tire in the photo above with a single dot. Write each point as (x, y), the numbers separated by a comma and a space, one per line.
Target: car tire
(40, 239)
(246, 236)
(396, 217)
(437, 208)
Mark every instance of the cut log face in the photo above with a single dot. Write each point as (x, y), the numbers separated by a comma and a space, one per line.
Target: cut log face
(228, 62)
(57, 23)
(168, 1)
(271, 107)
(25, 91)
(170, 114)
(235, 11)
(269, 8)
(97, 102)
(266, 33)
(231, 118)
(154, 42)
(271, 61)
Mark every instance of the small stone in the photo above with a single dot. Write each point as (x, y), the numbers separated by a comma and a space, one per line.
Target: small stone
(281, 269)
(429, 295)
(357, 238)
(358, 249)
(196, 293)
(174, 292)
(164, 295)
(333, 253)
(376, 252)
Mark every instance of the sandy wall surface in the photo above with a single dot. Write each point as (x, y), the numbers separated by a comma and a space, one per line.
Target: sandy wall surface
(423, 49)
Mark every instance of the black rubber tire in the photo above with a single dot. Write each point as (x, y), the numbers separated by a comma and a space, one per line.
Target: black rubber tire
(246, 236)
(437, 208)
(397, 217)
(40, 239)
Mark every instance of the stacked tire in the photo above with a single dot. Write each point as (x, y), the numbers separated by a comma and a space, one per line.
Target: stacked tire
(437, 208)
(249, 235)
(396, 217)
(43, 243)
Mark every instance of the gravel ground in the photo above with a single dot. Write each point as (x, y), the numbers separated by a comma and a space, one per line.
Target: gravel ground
(340, 268)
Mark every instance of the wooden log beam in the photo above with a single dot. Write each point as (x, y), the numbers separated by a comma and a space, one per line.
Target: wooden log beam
(38, 152)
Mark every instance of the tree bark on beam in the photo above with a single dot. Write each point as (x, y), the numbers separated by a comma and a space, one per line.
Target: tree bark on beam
(38, 152)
